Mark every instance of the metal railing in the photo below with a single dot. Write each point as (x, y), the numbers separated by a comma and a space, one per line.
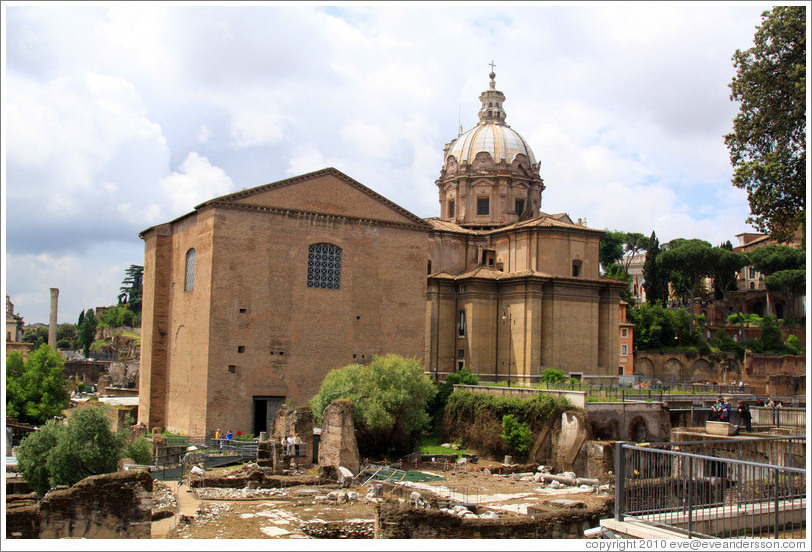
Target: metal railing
(672, 486)
(19, 432)
(761, 418)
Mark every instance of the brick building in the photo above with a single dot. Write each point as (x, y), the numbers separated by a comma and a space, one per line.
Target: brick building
(252, 298)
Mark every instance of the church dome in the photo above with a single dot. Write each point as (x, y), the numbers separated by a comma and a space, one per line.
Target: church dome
(496, 138)
(491, 135)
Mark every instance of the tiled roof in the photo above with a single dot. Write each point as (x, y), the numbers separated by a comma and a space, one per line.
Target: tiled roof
(544, 220)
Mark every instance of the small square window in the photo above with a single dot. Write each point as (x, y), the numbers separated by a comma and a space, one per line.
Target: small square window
(243, 311)
(241, 348)
(281, 353)
(461, 353)
(232, 369)
(460, 365)
(624, 332)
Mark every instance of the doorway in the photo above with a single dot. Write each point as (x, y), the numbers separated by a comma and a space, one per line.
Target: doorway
(264, 413)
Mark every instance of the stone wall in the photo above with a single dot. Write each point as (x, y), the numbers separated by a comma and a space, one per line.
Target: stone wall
(338, 446)
(686, 366)
(577, 398)
(299, 422)
(399, 521)
(87, 371)
(629, 421)
(109, 506)
(758, 369)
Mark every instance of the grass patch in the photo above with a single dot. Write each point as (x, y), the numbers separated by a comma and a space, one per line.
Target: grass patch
(431, 445)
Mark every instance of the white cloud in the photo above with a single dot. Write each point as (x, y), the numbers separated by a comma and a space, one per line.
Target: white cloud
(121, 117)
(196, 182)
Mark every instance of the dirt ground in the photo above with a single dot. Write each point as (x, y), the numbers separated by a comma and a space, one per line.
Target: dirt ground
(295, 512)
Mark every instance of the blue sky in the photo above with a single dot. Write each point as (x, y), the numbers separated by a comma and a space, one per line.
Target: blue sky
(119, 117)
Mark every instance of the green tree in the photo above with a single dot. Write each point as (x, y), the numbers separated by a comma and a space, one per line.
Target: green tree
(36, 335)
(66, 336)
(115, 317)
(616, 271)
(132, 288)
(768, 143)
(655, 278)
(790, 283)
(390, 396)
(687, 263)
(60, 454)
(444, 390)
(36, 389)
(725, 265)
(633, 244)
(773, 258)
(87, 330)
(611, 248)
(657, 327)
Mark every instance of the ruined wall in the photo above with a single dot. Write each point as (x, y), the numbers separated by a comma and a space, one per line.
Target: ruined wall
(758, 370)
(399, 521)
(109, 506)
(338, 446)
(686, 366)
(629, 421)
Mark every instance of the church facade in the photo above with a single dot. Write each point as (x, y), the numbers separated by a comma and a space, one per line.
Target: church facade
(252, 298)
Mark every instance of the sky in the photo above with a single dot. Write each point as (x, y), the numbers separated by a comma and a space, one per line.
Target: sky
(118, 117)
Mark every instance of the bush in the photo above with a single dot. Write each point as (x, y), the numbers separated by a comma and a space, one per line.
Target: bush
(795, 346)
(60, 454)
(139, 450)
(476, 418)
(516, 434)
(552, 375)
(444, 390)
(389, 395)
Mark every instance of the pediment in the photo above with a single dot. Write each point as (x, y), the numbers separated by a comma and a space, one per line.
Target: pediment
(327, 192)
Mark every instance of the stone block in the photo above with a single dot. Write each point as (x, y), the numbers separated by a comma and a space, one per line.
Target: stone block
(721, 428)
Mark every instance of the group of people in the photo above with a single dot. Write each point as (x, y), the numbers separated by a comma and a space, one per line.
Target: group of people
(218, 438)
(292, 445)
(720, 412)
(770, 403)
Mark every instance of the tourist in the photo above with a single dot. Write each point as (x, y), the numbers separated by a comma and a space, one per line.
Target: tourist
(229, 435)
(716, 410)
(217, 439)
(768, 402)
(726, 410)
(289, 445)
(746, 417)
(297, 441)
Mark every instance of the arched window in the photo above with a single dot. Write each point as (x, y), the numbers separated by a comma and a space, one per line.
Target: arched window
(190, 270)
(324, 266)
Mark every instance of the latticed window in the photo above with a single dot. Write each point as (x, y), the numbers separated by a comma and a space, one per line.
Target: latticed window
(324, 266)
(190, 270)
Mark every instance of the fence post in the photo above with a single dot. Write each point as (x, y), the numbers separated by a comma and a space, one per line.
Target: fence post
(620, 480)
(775, 505)
(689, 497)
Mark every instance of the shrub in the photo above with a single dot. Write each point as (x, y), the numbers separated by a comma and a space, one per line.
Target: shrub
(476, 418)
(516, 434)
(795, 346)
(552, 375)
(139, 450)
(36, 389)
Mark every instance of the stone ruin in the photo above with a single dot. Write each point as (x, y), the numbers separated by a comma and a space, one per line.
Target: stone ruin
(338, 446)
(110, 506)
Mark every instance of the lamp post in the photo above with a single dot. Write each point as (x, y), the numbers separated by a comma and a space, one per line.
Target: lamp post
(506, 315)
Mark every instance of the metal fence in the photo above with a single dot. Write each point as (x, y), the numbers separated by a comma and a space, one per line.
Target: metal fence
(704, 495)
(761, 418)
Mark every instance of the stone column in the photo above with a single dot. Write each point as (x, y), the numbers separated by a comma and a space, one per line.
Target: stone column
(52, 326)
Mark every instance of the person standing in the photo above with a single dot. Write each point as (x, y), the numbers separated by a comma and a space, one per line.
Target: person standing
(217, 439)
(229, 436)
(726, 410)
(746, 416)
(716, 410)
